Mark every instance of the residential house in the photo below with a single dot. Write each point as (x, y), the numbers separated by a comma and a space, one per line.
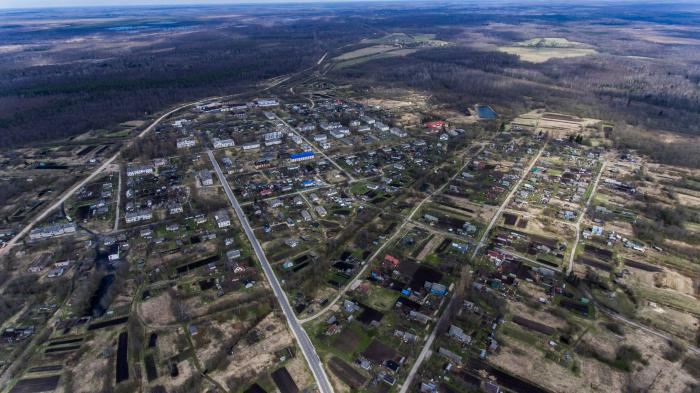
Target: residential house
(185, 143)
(222, 143)
(251, 146)
(306, 215)
(398, 132)
(303, 156)
(458, 333)
(450, 355)
(233, 254)
(381, 126)
(266, 102)
(52, 231)
(418, 316)
(175, 208)
(138, 215)
(205, 178)
(222, 219)
(139, 170)
(55, 272)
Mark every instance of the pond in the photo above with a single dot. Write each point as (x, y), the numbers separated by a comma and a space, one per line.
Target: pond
(98, 300)
(485, 112)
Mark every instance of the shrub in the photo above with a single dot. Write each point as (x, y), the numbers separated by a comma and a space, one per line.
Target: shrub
(616, 328)
(676, 350)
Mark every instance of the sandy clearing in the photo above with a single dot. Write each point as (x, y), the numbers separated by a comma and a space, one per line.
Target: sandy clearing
(432, 244)
(249, 360)
(156, 310)
(541, 55)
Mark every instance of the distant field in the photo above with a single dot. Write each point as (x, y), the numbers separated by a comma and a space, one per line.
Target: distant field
(372, 50)
(539, 50)
(350, 61)
(403, 38)
(390, 45)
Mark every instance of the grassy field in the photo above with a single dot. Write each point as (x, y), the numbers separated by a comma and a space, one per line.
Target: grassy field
(540, 50)
(390, 45)
(620, 303)
(354, 60)
(671, 299)
(382, 298)
(401, 38)
(520, 334)
(369, 51)
(549, 43)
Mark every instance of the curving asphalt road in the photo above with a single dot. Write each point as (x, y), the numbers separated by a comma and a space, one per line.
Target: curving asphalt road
(302, 338)
(83, 182)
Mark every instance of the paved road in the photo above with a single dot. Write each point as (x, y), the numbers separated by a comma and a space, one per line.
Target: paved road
(429, 342)
(318, 151)
(570, 267)
(56, 205)
(305, 344)
(86, 180)
(119, 201)
(110, 160)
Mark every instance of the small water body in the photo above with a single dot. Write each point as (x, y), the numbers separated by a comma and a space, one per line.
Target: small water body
(485, 112)
(98, 303)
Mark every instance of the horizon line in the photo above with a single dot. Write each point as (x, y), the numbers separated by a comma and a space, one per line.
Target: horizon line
(192, 3)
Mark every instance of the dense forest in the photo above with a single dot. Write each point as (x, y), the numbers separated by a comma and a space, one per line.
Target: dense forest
(119, 77)
(69, 78)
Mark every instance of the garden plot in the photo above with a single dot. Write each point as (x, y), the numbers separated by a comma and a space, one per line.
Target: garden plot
(558, 125)
(479, 212)
(559, 182)
(539, 243)
(254, 354)
(346, 373)
(520, 359)
(679, 323)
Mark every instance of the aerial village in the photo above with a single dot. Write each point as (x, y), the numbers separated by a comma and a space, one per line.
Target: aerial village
(419, 254)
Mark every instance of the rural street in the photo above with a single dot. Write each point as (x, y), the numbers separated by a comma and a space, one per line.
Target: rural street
(426, 348)
(28, 227)
(570, 267)
(86, 180)
(305, 344)
(615, 315)
(119, 201)
(505, 203)
(387, 242)
(332, 161)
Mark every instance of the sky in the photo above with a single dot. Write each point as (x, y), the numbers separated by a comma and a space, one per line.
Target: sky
(93, 3)
(85, 3)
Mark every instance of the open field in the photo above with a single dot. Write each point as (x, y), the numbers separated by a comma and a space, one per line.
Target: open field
(540, 50)
(372, 50)
(368, 54)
